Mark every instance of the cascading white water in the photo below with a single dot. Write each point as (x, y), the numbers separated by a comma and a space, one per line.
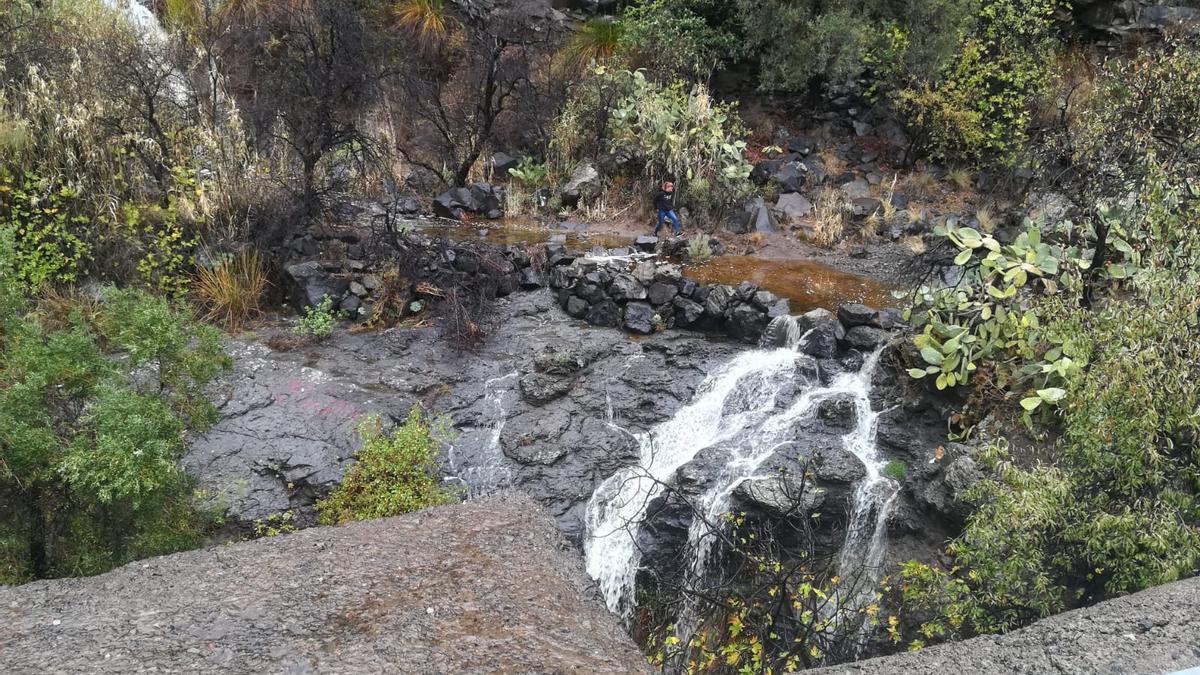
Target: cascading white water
(477, 459)
(737, 407)
(732, 399)
(140, 17)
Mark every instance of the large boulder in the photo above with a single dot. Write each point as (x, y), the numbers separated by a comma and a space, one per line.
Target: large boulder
(755, 216)
(454, 203)
(820, 331)
(746, 322)
(790, 177)
(502, 162)
(687, 312)
(605, 313)
(312, 283)
(624, 288)
(639, 318)
(857, 314)
(582, 185)
(793, 208)
(719, 298)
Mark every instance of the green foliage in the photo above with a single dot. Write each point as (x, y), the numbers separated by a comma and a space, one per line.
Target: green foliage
(679, 131)
(896, 470)
(275, 524)
(47, 226)
(796, 42)
(394, 473)
(318, 322)
(596, 41)
(93, 410)
(980, 107)
(1118, 510)
(529, 173)
(679, 38)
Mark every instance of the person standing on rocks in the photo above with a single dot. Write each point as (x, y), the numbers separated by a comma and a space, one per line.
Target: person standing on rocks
(664, 202)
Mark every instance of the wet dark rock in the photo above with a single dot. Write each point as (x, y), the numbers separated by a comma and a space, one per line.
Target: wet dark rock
(746, 322)
(576, 307)
(857, 314)
(835, 464)
(946, 493)
(821, 331)
(866, 338)
(625, 287)
(639, 317)
(605, 313)
(837, 412)
(718, 300)
(661, 293)
(782, 494)
(646, 243)
(687, 311)
(311, 284)
(790, 177)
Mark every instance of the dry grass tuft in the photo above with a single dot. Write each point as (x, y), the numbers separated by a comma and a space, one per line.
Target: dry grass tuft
(922, 184)
(831, 213)
(987, 220)
(961, 178)
(914, 243)
(231, 292)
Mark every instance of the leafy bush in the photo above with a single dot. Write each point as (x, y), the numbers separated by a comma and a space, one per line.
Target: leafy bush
(679, 131)
(318, 322)
(232, 288)
(394, 473)
(679, 38)
(92, 420)
(1118, 509)
(896, 470)
(980, 106)
(799, 42)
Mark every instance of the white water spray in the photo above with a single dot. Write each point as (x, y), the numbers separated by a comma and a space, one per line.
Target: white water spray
(738, 406)
(483, 470)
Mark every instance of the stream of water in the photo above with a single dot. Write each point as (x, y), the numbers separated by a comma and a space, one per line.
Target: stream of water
(476, 458)
(751, 405)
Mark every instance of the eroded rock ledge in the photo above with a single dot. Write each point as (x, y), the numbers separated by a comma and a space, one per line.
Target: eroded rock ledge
(481, 587)
(1154, 631)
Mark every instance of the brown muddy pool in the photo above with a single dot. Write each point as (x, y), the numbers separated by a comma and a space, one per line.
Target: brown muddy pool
(806, 284)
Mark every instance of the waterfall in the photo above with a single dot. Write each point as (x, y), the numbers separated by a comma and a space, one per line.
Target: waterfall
(476, 459)
(140, 17)
(739, 406)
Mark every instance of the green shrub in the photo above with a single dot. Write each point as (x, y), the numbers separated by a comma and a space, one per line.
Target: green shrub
(896, 470)
(318, 322)
(798, 42)
(679, 131)
(395, 473)
(981, 105)
(1118, 509)
(93, 411)
(680, 38)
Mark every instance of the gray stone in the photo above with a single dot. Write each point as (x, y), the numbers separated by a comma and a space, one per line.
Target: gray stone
(866, 338)
(687, 311)
(793, 207)
(857, 314)
(276, 605)
(782, 494)
(835, 464)
(646, 243)
(576, 307)
(582, 185)
(605, 313)
(820, 330)
(719, 297)
(661, 293)
(639, 318)
(857, 189)
(311, 284)
(746, 322)
(625, 288)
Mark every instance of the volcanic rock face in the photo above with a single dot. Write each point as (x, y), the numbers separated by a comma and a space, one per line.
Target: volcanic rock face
(546, 406)
(482, 587)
